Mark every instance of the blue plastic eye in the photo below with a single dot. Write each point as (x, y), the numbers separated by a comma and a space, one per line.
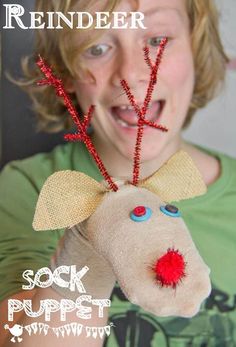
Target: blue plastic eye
(170, 210)
(141, 214)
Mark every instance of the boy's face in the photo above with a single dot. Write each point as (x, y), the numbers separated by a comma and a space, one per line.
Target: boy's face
(118, 54)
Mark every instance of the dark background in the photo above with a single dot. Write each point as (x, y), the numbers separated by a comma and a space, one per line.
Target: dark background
(18, 137)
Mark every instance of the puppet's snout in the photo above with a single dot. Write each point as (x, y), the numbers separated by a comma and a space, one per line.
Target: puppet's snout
(166, 275)
(170, 268)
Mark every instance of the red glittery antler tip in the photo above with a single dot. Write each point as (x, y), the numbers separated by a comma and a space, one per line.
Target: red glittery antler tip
(81, 135)
(141, 112)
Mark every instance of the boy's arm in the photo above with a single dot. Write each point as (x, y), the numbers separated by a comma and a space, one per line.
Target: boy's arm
(51, 340)
(99, 281)
(22, 248)
(4, 313)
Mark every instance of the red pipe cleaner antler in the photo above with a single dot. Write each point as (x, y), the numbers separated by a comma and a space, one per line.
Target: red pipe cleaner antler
(81, 135)
(141, 113)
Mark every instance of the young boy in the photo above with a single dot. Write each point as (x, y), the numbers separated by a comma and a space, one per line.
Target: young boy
(91, 64)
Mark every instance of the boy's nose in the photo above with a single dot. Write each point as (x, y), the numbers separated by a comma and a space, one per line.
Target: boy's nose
(130, 65)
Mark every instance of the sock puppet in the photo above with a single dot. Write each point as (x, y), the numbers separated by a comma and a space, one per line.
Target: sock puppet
(132, 228)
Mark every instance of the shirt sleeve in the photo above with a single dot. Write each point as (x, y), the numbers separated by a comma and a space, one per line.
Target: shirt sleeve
(21, 247)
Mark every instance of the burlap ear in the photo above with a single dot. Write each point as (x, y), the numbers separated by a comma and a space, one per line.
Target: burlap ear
(66, 199)
(177, 179)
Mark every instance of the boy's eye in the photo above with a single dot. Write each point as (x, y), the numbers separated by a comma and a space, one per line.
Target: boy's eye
(97, 50)
(155, 41)
(170, 210)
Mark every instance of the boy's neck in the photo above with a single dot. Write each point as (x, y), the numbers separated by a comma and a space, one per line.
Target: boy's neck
(120, 166)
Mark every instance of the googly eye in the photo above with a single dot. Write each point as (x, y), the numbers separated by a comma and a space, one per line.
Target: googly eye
(170, 210)
(140, 214)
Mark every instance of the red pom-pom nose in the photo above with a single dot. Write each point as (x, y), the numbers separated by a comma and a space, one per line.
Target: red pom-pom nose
(170, 268)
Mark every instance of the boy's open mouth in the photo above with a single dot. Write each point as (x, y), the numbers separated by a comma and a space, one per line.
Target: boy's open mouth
(127, 117)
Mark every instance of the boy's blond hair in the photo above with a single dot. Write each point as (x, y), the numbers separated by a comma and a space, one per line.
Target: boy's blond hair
(57, 48)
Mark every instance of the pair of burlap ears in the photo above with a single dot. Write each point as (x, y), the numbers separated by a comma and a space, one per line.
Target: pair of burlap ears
(69, 197)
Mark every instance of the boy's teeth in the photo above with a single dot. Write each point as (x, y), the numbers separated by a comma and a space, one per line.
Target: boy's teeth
(126, 125)
(126, 107)
(126, 116)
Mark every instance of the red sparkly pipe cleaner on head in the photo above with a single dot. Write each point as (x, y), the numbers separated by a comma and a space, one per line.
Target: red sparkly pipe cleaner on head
(141, 112)
(81, 135)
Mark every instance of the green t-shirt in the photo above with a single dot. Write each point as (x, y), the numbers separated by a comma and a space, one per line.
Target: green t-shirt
(211, 220)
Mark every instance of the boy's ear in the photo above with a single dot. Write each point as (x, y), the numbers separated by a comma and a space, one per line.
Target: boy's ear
(178, 179)
(66, 199)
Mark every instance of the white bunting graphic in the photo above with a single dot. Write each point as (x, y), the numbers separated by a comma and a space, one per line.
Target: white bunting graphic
(28, 329)
(73, 328)
(79, 329)
(65, 330)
